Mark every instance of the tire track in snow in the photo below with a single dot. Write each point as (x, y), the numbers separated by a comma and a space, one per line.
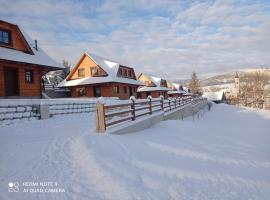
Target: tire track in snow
(181, 174)
(105, 186)
(207, 157)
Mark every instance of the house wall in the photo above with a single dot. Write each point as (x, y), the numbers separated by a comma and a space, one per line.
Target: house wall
(2, 87)
(17, 40)
(107, 90)
(175, 95)
(25, 89)
(86, 63)
(154, 94)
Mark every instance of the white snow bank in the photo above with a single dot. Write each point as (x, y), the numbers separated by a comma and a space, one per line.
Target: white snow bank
(223, 155)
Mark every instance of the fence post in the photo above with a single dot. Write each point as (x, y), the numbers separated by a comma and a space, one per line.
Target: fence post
(161, 102)
(133, 108)
(170, 104)
(44, 111)
(150, 104)
(100, 118)
(175, 103)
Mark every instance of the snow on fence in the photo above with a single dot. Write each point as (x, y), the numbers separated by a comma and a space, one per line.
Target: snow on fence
(108, 115)
(12, 111)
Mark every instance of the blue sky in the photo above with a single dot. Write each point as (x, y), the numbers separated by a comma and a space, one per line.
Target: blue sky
(165, 38)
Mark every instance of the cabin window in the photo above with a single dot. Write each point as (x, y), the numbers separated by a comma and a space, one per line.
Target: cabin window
(5, 37)
(125, 89)
(81, 73)
(125, 73)
(94, 71)
(29, 76)
(120, 72)
(116, 89)
(129, 73)
(97, 91)
(81, 92)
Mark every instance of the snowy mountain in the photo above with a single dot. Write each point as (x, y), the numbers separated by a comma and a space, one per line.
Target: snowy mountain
(226, 78)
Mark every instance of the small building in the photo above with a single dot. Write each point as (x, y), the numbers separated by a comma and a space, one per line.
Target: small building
(153, 86)
(175, 90)
(22, 63)
(95, 76)
(217, 97)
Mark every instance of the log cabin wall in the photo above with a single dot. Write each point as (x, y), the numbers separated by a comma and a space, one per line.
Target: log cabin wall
(107, 90)
(25, 89)
(86, 64)
(2, 86)
(154, 94)
(17, 40)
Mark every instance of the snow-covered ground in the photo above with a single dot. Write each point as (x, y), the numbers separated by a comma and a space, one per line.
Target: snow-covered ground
(223, 155)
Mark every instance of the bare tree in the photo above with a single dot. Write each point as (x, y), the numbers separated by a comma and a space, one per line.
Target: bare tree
(255, 87)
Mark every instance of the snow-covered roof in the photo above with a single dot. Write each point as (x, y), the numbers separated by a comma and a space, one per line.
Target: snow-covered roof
(214, 96)
(109, 66)
(176, 92)
(39, 57)
(154, 79)
(149, 89)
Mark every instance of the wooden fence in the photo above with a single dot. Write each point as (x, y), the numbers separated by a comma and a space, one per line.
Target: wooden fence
(109, 115)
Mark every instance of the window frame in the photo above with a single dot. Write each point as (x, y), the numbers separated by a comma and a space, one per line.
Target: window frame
(96, 71)
(81, 91)
(9, 37)
(125, 89)
(31, 76)
(80, 70)
(116, 89)
(120, 72)
(125, 73)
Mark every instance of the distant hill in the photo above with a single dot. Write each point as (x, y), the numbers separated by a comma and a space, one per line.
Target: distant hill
(220, 79)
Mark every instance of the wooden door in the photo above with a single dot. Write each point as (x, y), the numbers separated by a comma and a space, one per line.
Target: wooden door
(11, 81)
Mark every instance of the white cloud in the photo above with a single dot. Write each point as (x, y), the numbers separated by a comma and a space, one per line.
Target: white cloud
(169, 39)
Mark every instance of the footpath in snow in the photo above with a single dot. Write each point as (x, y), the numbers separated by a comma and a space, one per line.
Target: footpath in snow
(223, 155)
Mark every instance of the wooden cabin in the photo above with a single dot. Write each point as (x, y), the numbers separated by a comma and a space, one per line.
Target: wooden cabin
(153, 86)
(95, 76)
(175, 90)
(22, 63)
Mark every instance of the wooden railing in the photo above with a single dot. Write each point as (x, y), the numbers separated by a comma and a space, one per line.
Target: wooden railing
(112, 114)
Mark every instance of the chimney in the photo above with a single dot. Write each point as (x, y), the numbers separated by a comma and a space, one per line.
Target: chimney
(36, 45)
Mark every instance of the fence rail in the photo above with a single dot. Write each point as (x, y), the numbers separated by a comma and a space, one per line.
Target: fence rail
(109, 115)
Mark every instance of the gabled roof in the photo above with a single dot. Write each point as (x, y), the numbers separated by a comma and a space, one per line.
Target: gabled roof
(154, 79)
(38, 57)
(171, 84)
(109, 66)
(149, 89)
(176, 92)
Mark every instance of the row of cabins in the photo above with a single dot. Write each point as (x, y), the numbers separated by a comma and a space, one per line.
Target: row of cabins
(95, 76)
(23, 63)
